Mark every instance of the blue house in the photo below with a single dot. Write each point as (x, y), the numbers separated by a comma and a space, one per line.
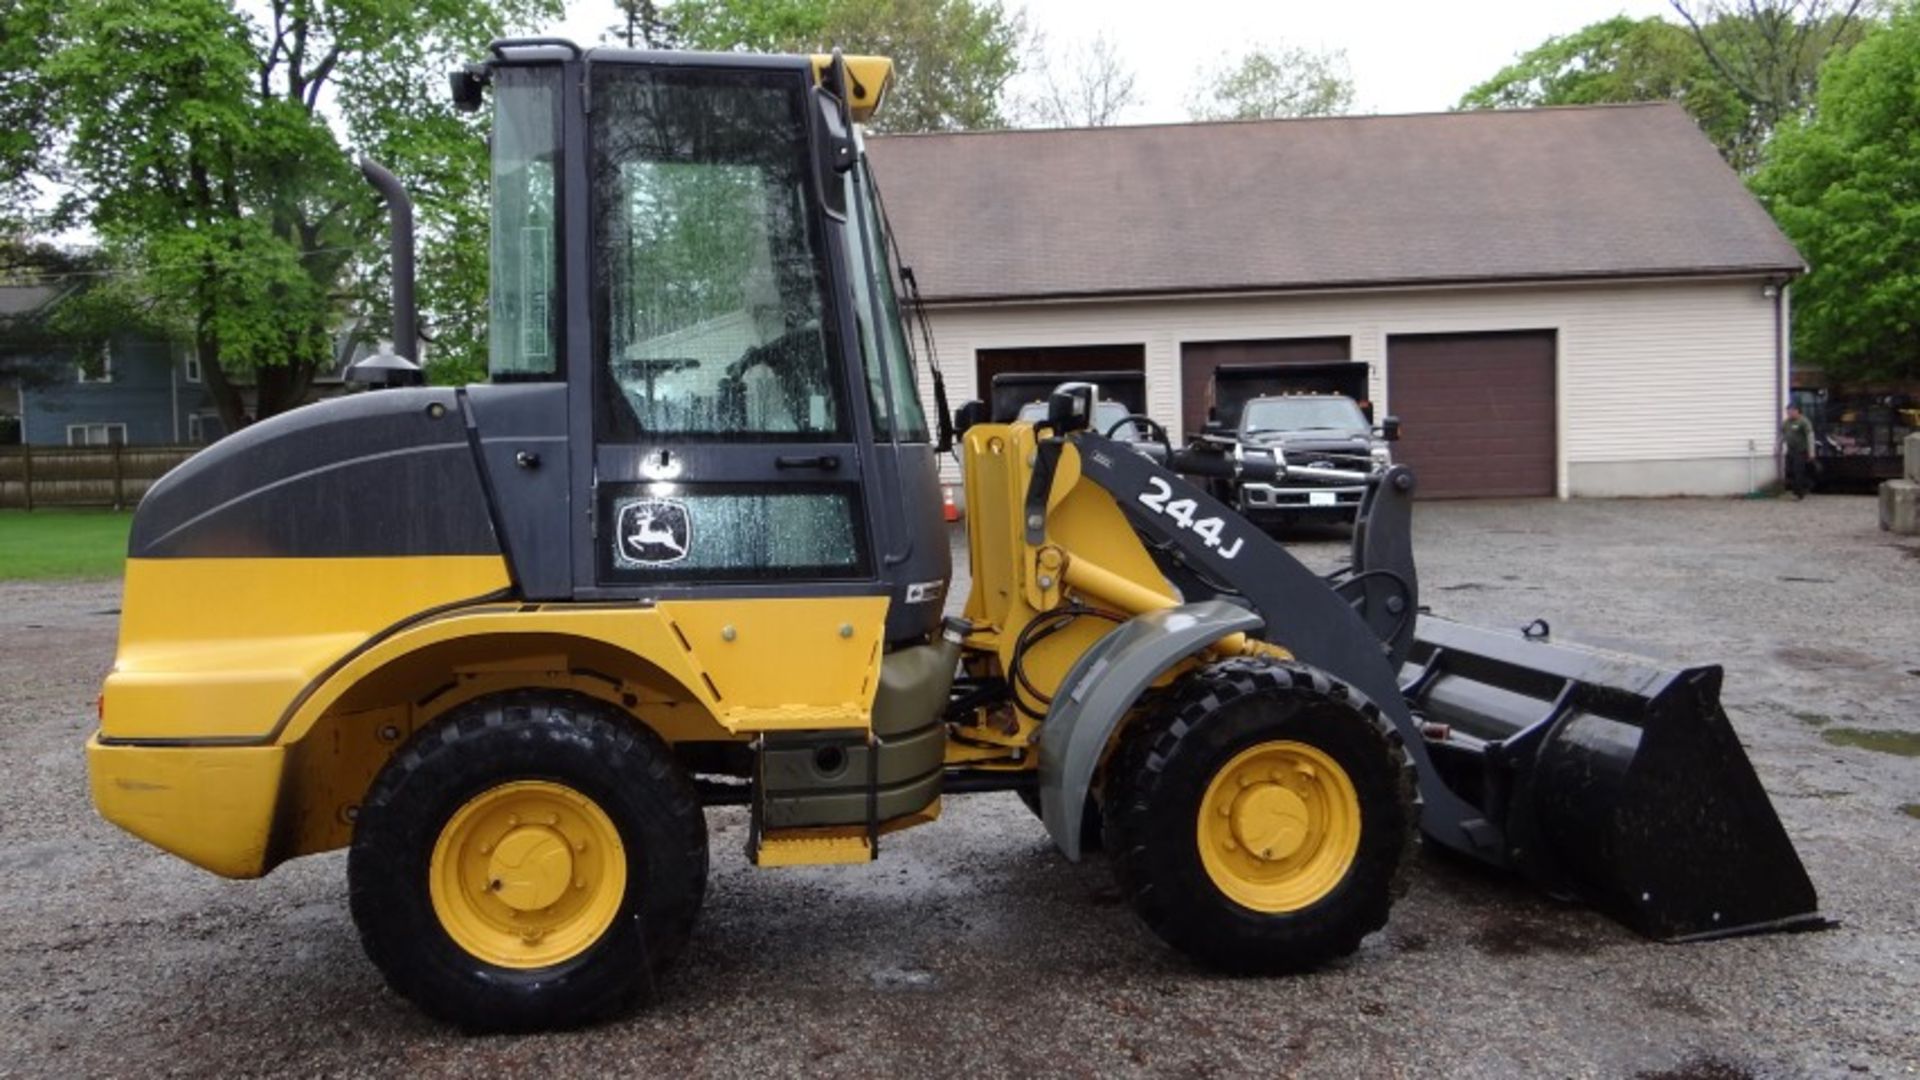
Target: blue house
(136, 391)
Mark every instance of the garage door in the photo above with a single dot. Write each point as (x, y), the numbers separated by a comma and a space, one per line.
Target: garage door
(1476, 412)
(1199, 358)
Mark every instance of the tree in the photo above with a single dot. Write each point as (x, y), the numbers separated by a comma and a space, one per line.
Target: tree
(1275, 81)
(209, 148)
(643, 25)
(23, 106)
(1770, 52)
(1087, 86)
(952, 58)
(1737, 68)
(1845, 186)
(1624, 60)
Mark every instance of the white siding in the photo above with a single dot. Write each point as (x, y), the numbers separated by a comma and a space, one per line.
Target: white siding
(1661, 373)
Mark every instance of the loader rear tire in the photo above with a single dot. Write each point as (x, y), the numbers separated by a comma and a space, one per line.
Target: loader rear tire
(1260, 821)
(533, 860)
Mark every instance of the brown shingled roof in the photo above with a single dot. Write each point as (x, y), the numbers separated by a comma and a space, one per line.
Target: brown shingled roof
(1603, 191)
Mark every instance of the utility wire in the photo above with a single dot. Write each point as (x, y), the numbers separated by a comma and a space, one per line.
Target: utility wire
(48, 279)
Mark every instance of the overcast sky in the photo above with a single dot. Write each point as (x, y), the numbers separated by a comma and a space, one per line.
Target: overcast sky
(1406, 55)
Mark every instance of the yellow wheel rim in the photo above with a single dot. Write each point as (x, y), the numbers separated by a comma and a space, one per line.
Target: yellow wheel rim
(1279, 826)
(528, 874)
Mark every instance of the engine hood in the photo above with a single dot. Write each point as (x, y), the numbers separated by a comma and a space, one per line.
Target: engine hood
(383, 473)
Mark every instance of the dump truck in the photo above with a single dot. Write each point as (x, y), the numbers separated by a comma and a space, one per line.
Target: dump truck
(508, 643)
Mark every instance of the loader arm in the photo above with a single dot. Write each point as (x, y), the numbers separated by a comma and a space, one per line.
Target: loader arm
(1596, 775)
(1300, 612)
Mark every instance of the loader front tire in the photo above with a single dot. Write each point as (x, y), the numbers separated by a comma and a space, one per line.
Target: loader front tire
(1260, 821)
(533, 860)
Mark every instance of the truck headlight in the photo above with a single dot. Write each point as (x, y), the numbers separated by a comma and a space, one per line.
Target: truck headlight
(1382, 457)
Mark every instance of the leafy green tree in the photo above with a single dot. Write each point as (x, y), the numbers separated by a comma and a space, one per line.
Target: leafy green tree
(1275, 81)
(1624, 60)
(1736, 68)
(1769, 52)
(23, 105)
(1845, 186)
(209, 146)
(952, 58)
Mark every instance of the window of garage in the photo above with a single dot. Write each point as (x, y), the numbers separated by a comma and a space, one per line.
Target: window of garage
(1476, 412)
(1067, 360)
(1199, 358)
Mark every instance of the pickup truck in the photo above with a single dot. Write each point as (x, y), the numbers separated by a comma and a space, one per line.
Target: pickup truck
(1313, 433)
(1312, 417)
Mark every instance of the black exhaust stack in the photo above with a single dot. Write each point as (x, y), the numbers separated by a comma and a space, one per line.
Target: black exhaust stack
(400, 366)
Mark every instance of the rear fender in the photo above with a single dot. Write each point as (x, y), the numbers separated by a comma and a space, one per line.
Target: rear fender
(1103, 686)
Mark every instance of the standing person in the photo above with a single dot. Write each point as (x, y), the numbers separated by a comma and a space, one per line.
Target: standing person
(1797, 434)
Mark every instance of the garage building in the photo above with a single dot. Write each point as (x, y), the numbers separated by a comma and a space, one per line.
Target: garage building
(1574, 302)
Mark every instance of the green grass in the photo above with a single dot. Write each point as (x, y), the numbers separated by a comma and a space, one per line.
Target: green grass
(46, 544)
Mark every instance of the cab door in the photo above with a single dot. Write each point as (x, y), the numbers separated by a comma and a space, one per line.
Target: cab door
(726, 424)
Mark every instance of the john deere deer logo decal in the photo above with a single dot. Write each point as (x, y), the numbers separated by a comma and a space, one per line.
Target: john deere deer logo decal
(652, 532)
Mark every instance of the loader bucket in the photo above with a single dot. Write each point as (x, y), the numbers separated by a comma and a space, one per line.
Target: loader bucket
(1610, 780)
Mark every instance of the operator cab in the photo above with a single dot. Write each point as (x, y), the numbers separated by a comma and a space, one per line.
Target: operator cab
(694, 314)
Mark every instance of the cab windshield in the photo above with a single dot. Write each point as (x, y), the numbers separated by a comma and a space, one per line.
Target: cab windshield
(1304, 414)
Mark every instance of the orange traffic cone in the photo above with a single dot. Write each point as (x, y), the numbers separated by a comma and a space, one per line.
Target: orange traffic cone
(948, 510)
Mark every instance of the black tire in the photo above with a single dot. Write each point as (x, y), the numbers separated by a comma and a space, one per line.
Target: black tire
(1092, 829)
(568, 739)
(1161, 774)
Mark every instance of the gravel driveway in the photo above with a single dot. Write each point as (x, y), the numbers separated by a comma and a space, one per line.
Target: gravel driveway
(971, 946)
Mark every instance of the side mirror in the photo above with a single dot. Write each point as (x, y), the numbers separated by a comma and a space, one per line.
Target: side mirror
(1070, 409)
(833, 152)
(469, 85)
(1390, 429)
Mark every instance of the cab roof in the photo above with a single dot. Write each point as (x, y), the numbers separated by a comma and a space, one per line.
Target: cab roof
(868, 77)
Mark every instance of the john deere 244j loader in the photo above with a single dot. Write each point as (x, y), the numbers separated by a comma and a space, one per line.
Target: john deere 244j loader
(685, 549)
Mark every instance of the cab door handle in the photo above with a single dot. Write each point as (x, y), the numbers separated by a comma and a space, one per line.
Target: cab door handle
(823, 462)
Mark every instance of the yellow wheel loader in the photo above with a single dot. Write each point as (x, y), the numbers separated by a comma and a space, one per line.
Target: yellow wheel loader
(685, 549)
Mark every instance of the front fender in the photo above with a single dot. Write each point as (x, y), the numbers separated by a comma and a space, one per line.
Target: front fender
(1103, 686)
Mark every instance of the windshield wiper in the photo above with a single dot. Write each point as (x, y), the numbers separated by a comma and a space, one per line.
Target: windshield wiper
(943, 415)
